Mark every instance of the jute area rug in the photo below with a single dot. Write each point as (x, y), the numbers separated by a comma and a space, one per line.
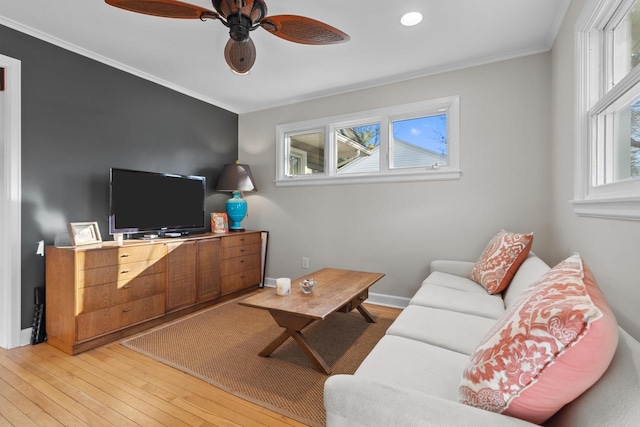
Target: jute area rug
(221, 345)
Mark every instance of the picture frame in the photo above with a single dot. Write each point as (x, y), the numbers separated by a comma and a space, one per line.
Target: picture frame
(84, 233)
(219, 222)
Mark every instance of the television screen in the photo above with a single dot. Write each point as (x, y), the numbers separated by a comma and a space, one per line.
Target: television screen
(156, 202)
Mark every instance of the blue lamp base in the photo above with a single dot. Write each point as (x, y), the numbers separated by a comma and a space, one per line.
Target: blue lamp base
(236, 211)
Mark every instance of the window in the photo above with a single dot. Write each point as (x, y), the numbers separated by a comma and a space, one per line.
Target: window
(608, 117)
(412, 142)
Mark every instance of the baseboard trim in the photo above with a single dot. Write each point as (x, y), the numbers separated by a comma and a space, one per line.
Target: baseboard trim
(388, 300)
(25, 336)
(374, 298)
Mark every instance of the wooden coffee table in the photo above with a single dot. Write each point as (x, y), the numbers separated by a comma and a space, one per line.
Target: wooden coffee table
(336, 290)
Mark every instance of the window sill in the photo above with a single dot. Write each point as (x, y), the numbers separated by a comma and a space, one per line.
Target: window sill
(432, 175)
(614, 208)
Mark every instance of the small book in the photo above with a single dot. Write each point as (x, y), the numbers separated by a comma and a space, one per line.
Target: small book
(219, 222)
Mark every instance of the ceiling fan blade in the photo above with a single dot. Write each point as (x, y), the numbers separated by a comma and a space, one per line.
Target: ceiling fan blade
(300, 29)
(240, 55)
(164, 8)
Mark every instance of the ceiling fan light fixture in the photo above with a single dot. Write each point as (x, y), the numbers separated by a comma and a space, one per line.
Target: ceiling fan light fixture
(238, 73)
(410, 19)
(240, 56)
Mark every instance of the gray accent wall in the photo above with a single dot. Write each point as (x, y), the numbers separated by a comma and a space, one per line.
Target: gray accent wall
(79, 118)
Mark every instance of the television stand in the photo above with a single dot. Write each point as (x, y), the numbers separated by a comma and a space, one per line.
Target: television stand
(100, 293)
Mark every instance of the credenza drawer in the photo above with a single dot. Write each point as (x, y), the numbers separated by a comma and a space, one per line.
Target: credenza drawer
(238, 264)
(114, 256)
(92, 324)
(236, 251)
(99, 297)
(240, 240)
(237, 281)
(119, 273)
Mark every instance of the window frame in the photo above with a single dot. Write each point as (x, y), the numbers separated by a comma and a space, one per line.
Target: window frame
(594, 64)
(385, 116)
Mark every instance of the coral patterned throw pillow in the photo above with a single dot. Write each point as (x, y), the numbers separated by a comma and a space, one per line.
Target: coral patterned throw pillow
(500, 260)
(548, 348)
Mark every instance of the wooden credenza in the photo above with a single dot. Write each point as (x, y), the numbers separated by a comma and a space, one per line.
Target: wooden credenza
(96, 294)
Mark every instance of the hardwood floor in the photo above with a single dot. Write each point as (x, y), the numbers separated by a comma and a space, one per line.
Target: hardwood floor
(115, 386)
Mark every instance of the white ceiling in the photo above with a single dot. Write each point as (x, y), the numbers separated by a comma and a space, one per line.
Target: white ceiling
(187, 55)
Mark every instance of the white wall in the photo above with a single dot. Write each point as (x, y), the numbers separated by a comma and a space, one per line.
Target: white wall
(399, 228)
(610, 247)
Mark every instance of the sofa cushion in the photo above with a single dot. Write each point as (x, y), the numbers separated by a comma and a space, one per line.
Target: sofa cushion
(457, 268)
(549, 347)
(485, 305)
(448, 329)
(500, 260)
(452, 281)
(415, 365)
(530, 271)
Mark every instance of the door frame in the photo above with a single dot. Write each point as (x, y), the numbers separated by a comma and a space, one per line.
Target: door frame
(10, 205)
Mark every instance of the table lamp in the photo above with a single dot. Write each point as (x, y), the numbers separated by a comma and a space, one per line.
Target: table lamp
(236, 178)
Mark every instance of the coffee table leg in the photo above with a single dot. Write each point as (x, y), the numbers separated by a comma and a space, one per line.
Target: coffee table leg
(367, 316)
(292, 325)
(275, 344)
(311, 353)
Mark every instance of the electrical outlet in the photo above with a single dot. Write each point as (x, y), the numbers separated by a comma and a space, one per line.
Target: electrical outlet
(305, 262)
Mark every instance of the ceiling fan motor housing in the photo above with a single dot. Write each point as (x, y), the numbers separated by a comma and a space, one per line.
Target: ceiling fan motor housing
(239, 27)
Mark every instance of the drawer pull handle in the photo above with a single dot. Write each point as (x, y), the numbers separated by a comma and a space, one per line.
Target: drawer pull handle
(126, 287)
(241, 250)
(124, 271)
(241, 261)
(126, 310)
(124, 256)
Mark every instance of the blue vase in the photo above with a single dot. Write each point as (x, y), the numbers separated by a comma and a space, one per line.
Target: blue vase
(236, 211)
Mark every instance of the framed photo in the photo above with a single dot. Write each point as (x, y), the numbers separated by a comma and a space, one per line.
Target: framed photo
(84, 233)
(219, 222)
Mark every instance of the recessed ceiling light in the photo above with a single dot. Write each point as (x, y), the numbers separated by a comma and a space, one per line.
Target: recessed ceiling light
(411, 18)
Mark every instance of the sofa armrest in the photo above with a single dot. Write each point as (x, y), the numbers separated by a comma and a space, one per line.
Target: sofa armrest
(459, 268)
(354, 401)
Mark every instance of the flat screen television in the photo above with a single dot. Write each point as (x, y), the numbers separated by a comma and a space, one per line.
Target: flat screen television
(156, 203)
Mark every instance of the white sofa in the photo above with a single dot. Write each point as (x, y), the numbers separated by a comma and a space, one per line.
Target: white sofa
(412, 375)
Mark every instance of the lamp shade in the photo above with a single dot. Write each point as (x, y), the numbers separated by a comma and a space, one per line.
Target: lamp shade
(236, 177)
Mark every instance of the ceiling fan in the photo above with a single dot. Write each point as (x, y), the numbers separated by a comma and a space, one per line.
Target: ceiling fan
(241, 17)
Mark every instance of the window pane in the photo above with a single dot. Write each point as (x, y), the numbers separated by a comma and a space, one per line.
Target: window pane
(626, 38)
(618, 158)
(306, 153)
(628, 147)
(419, 142)
(358, 149)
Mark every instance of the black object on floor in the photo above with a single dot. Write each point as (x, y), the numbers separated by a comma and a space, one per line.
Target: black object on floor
(38, 331)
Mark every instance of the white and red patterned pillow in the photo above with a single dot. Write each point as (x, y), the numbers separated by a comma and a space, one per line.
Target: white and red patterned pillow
(548, 348)
(500, 260)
